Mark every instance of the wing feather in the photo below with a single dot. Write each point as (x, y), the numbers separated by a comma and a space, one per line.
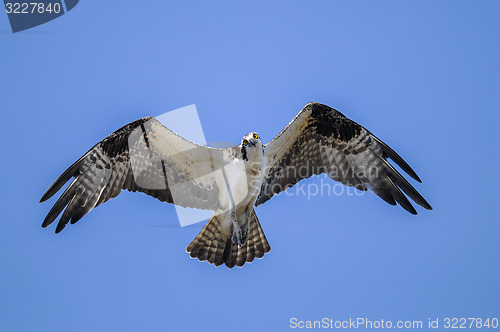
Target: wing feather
(320, 140)
(142, 156)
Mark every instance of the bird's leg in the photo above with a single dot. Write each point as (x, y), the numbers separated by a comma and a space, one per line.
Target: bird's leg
(236, 238)
(240, 234)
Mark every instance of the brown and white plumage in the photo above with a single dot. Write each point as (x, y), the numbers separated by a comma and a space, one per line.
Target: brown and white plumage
(212, 245)
(146, 156)
(141, 156)
(320, 140)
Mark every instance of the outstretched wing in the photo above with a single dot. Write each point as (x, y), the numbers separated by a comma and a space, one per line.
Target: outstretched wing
(322, 140)
(142, 156)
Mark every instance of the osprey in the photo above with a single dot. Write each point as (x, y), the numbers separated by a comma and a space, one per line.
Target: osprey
(146, 156)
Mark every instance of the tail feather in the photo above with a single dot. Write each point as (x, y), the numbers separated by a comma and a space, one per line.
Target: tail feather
(216, 248)
(250, 250)
(262, 246)
(217, 257)
(201, 243)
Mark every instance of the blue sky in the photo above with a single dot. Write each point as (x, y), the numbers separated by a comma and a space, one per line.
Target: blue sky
(423, 76)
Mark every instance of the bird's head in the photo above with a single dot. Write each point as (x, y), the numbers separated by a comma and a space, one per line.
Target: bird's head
(251, 140)
(251, 143)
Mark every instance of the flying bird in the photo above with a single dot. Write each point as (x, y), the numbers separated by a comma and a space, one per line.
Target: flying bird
(146, 156)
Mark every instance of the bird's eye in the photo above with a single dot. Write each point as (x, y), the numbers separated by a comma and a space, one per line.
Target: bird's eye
(245, 142)
(255, 136)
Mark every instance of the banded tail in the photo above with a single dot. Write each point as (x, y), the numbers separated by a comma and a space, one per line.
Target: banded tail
(216, 248)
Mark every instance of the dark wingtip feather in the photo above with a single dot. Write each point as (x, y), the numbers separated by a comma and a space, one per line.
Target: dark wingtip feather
(64, 219)
(425, 205)
(77, 216)
(406, 205)
(48, 193)
(61, 180)
(412, 211)
(399, 196)
(384, 194)
(402, 183)
(63, 200)
(48, 220)
(397, 159)
(53, 213)
(64, 177)
(60, 227)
